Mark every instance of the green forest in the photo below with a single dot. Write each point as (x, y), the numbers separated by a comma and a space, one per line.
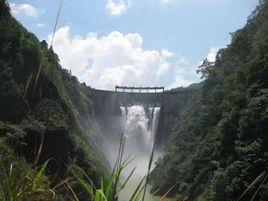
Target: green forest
(219, 142)
(42, 107)
(49, 131)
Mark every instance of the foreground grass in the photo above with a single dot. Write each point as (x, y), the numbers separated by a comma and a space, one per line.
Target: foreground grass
(20, 182)
(110, 191)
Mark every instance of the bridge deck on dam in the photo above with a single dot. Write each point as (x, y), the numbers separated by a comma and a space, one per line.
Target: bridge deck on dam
(163, 99)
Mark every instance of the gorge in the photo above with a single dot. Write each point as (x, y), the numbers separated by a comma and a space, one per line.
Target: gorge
(59, 138)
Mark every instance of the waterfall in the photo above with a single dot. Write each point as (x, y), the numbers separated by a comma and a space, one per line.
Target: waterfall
(139, 129)
(124, 112)
(156, 115)
(139, 126)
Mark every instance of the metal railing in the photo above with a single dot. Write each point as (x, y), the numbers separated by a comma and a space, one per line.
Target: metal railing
(139, 89)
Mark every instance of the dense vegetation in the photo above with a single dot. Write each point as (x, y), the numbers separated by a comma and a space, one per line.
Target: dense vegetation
(42, 105)
(219, 144)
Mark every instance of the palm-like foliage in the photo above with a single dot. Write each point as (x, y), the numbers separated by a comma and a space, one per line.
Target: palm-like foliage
(109, 191)
(19, 182)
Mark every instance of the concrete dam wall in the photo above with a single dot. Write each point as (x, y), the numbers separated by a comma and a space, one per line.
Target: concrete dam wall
(107, 104)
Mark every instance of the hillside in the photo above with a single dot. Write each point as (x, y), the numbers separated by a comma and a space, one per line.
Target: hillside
(42, 103)
(219, 143)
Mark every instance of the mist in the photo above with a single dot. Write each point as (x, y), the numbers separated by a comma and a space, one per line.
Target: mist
(138, 125)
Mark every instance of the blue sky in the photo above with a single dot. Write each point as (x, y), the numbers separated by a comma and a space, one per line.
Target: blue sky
(135, 42)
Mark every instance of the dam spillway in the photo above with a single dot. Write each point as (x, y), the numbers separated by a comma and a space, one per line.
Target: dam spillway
(143, 118)
(139, 128)
(107, 107)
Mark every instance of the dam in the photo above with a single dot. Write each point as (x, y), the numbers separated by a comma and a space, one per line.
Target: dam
(108, 103)
(150, 96)
(144, 115)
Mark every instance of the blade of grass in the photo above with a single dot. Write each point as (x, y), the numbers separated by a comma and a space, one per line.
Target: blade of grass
(100, 192)
(86, 187)
(127, 161)
(73, 193)
(2, 194)
(102, 183)
(61, 183)
(156, 191)
(10, 169)
(166, 194)
(148, 172)
(40, 67)
(118, 154)
(8, 188)
(39, 151)
(109, 188)
(137, 191)
(53, 193)
(56, 22)
(89, 189)
(252, 184)
(125, 182)
(27, 84)
(122, 150)
(259, 188)
(118, 165)
(39, 175)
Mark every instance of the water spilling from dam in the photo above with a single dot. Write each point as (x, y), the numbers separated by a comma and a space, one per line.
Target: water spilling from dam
(139, 126)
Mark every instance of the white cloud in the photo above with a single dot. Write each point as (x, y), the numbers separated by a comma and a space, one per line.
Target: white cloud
(184, 73)
(26, 9)
(165, 1)
(211, 56)
(40, 25)
(167, 53)
(117, 7)
(120, 59)
(180, 2)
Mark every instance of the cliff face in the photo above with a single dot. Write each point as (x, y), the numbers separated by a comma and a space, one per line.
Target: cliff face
(44, 100)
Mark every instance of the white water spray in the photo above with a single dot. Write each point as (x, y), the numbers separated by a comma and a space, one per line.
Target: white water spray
(140, 129)
(139, 126)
